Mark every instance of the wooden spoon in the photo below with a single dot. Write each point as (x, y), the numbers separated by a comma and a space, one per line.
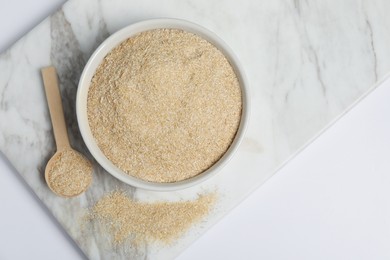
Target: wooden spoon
(68, 173)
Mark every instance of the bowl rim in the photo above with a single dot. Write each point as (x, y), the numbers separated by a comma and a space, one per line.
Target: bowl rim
(114, 40)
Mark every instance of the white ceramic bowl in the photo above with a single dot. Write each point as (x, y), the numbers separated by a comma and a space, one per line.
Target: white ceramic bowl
(96, 59)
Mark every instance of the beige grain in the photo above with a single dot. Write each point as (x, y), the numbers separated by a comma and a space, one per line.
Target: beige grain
(164, 105)
(141, 222)
(70, 174)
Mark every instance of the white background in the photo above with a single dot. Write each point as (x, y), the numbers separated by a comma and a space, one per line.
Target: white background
(331, 202)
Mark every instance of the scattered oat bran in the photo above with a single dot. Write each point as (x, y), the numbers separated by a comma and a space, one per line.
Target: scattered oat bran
(149, 222)
(164, 105)
(70, 174)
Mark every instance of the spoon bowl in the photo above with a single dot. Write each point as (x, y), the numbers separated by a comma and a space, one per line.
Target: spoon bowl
(68, 173)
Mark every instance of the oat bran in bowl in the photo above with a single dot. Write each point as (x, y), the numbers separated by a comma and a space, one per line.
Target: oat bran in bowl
(162, 104)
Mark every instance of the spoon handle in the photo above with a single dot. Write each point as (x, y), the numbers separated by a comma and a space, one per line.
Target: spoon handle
(50, 81)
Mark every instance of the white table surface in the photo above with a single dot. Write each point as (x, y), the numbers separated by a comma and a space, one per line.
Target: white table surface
(330, 202)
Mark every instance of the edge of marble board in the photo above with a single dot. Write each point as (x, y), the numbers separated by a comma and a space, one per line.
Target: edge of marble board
(20, 176)
(32, 27)
(303, 147)
(4, 157)
(42, 205)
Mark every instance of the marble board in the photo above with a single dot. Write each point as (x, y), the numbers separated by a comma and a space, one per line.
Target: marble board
(307, 62)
